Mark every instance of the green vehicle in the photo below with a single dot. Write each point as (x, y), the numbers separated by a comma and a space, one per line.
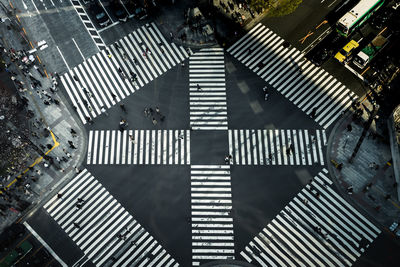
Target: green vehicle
(371, 50)
(16, 254)
(357, 16)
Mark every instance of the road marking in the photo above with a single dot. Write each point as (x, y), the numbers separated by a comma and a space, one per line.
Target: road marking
(49, 249)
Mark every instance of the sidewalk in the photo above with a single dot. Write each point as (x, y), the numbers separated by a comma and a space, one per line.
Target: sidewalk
(49, 114)
(371, 174)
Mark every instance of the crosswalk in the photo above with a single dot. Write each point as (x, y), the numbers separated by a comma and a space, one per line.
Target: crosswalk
(91, 29)
(212, 222)
(102, 228)
(208, 107)
(317, 228)
(160, 147)
(276, 147)
(310, 88)
(109, 76)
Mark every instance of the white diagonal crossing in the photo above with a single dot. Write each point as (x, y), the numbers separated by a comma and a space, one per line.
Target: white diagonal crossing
(208, 107)
(139, 147)
(317, 228)
(101, 227)
(118, 71)
(212, 222)
(309, 87)
(276, 147)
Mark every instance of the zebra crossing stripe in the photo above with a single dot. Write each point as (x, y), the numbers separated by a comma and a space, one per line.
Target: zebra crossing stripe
(275, 147)
(207, 90)
(102, 228)
(304, 84)
(94, 34)
(211, 221)
(97, 83)
(139, 147)
(317, 228)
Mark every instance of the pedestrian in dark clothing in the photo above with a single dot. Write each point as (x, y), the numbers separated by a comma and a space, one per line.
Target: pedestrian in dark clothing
(122, 106)
(76, 78)
(59, 195)
(313, 113)
(113, 96)
(89, 120)
(291, 147)
(288, 151)
(77, 225)
(349, 128)
(198, 87)
(71, 144)
(73, 133)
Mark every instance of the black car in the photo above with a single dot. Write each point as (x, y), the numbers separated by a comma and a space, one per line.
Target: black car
(321, 56)
(119, 11)
(101, 17)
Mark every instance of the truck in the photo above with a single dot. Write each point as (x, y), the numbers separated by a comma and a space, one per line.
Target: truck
(371, 50)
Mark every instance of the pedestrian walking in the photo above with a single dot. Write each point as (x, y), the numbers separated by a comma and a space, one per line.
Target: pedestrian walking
(77, 170)
(183, 64)
(158, 110)
(154, 121)
(132, 139)
(76, 78)
(59, 195)
(89, 120)
(313, 112)
(103, 110)
(349, 127)
(77, 225)
(198, 87)
(114, 97)
(266, 96)
(73, 133)
(181, 136)
(71, 144)
(122, 106)
(291, 147)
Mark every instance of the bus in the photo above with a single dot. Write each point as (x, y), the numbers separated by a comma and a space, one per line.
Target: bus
(357, 16)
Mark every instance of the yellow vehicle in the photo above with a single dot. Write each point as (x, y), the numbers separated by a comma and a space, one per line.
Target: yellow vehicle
(345, 52)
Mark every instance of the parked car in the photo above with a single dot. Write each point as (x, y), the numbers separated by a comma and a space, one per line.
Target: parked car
(119, 11)
(345, 53)
(140, 13)
(98, 12)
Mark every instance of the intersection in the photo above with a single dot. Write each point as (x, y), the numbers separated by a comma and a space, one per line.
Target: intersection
(221, 98)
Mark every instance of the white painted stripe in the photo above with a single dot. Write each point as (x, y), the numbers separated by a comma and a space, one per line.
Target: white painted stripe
(49, 249)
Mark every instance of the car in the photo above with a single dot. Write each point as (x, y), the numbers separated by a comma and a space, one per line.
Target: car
(344, 54)
(119, 11)
(140, 13)
(98, 12)
(321, 56)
